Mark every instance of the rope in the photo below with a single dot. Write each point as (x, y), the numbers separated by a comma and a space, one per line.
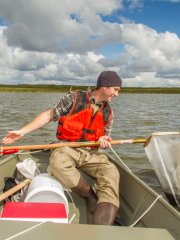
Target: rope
(38, 151)
(120, 159)
(147, 210)
(26, 230)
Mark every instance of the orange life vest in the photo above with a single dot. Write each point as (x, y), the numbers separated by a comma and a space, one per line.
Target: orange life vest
(81, 124)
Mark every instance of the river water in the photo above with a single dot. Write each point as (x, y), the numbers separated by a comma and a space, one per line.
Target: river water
(136, 116)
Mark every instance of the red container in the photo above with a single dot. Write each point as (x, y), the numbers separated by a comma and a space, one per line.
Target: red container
(35, 211)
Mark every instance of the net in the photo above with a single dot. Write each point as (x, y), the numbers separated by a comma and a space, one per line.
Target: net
(163, 152)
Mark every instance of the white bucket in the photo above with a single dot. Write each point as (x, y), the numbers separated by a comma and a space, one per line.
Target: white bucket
(46, 188)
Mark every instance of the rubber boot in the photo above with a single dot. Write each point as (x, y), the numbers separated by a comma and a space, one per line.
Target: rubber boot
(85, 191)
(105, 214)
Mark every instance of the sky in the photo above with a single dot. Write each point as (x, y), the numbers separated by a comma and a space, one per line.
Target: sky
(73, 41)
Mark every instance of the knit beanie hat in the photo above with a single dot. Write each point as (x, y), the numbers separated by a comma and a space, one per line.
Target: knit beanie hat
(109, 79)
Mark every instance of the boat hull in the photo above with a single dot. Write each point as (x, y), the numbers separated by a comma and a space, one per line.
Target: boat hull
(161, 221)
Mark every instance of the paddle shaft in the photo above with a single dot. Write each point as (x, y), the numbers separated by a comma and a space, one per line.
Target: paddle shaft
(69, 144)
(14, 189)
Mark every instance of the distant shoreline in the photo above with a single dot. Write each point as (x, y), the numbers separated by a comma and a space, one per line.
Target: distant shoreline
(66, 88)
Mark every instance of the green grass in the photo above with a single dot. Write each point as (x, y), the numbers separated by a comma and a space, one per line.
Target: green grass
(38, 88)
(66, 88)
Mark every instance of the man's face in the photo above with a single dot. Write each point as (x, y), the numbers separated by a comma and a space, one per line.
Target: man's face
(110, 92)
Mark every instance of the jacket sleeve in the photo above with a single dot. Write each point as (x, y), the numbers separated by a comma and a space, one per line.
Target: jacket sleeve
(64, 106)
(108, 127)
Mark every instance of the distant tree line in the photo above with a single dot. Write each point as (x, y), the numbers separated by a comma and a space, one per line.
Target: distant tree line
(67, 88)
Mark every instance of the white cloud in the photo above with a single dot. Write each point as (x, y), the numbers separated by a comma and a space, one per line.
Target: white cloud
(61, 42)
(61, 26)
(148, 50)
(150, 79)
(20, 66)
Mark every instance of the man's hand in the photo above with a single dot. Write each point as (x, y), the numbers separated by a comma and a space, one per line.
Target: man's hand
(12, 136)
(38, 122)
(105, 141)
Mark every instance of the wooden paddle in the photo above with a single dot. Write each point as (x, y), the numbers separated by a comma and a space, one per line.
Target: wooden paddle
(12, 149)
(14, 189)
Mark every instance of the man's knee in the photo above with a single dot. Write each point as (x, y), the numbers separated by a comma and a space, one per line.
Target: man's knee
(114, 172)
(60, 159)
(63, 167)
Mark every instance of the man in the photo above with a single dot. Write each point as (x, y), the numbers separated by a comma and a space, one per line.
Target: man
(84, 116)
